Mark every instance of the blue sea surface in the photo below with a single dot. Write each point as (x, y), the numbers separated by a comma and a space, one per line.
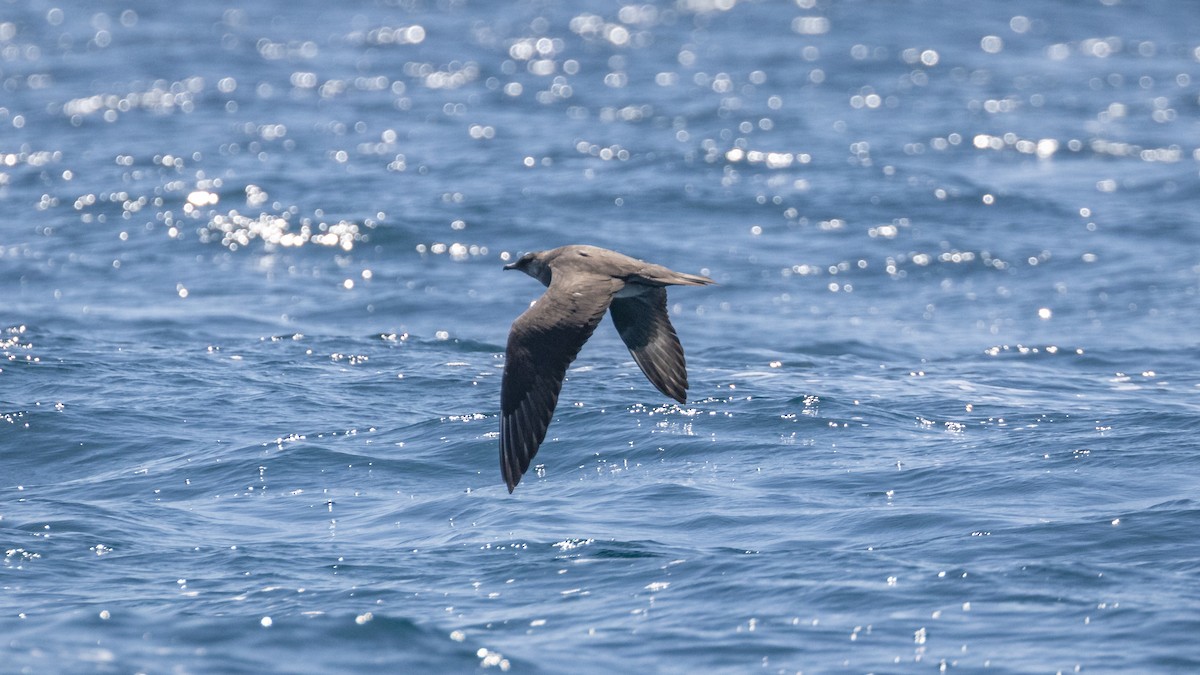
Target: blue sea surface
(945, 400)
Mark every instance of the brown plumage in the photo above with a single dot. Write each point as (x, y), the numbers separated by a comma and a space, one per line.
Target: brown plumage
(583, 282)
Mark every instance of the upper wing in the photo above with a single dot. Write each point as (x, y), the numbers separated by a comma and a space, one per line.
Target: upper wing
(541, 345)
(646, 329)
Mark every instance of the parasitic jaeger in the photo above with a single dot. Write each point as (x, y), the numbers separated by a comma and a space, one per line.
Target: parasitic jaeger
(583, 282)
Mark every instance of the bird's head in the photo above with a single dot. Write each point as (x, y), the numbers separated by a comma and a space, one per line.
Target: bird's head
(534, 265)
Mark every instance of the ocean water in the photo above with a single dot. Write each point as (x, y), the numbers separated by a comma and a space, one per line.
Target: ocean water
(944, 400)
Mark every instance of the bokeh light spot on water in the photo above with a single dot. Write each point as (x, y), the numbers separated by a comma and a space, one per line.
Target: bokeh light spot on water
(481, 131)
(811, 25)
(391, 35)
(200, 198)
(492, 659)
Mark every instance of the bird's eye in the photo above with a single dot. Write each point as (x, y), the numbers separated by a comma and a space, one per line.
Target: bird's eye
(583, 254)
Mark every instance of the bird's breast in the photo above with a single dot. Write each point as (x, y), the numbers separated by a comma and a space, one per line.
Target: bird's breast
(630, 290)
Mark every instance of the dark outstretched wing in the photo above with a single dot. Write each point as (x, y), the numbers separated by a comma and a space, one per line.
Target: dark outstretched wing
(646, 329)
(541, 345)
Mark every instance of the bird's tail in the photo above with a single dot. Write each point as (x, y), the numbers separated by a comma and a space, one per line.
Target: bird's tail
(657, 275)
(684, 279)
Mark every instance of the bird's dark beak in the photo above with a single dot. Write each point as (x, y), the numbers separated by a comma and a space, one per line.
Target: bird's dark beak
(511, 266)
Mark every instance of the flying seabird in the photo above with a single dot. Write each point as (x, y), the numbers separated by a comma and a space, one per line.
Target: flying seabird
(582, 283)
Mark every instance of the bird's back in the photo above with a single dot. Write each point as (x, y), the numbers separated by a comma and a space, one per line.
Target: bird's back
(592, 260)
